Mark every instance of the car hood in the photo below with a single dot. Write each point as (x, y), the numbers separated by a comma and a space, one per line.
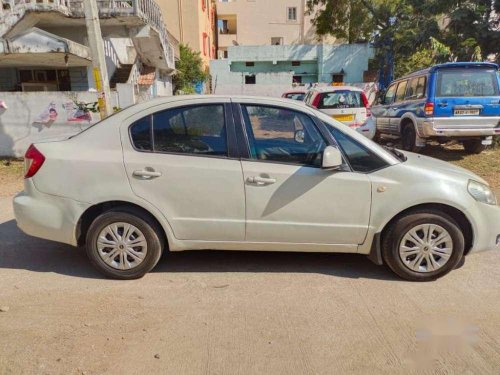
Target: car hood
(436, 165)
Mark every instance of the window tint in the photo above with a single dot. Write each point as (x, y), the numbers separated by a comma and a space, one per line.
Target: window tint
(422, 83)
(282, 135)
(412, 89)
(360, 158)
(389, 95)
(401, 91)
(467, 82)
(140, 131)
(191, 130)
(341, 99)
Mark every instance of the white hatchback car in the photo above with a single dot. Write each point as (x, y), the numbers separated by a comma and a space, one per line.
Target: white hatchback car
(346, 104)
(243, 173)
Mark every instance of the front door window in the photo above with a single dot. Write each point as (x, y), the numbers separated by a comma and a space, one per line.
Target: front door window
(282, 135)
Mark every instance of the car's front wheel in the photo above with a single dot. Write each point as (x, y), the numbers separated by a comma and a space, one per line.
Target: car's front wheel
(124, 244)
(423, 245)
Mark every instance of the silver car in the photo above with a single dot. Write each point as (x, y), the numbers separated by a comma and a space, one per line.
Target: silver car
(246, 173)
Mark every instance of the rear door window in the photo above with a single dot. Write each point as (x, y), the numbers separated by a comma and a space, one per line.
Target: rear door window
(341, 99)
(421, 85)
(466, 83)
(401, 91)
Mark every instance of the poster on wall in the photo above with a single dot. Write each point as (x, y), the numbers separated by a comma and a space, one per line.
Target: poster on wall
(75, 113)
(48, 115)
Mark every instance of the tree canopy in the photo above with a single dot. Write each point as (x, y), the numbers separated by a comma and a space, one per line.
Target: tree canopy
(189, 70)
(414, 31)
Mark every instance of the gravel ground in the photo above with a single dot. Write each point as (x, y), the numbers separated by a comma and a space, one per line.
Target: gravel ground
(240, 313)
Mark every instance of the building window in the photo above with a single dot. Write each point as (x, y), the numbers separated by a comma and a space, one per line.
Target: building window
(277, 41)
(250, 80)
(295, 63)
(297, 79)
(291, 13)
(249, 63)
(51, 79)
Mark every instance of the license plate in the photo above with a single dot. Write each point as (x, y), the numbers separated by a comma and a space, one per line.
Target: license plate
(343, 117)
(466, 112)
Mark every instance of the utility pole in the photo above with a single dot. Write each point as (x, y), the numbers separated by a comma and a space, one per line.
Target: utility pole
(96, 44)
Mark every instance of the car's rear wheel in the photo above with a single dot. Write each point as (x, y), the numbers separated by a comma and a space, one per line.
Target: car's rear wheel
(124, 244)
(409, 138)
(473, 146)
(423, 245)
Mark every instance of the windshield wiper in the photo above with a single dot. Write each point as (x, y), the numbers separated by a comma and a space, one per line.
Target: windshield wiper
(398, 154)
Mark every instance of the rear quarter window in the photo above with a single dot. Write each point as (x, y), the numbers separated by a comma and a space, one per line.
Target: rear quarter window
(467, 82)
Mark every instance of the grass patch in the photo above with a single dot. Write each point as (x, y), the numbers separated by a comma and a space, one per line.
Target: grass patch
(11, 168)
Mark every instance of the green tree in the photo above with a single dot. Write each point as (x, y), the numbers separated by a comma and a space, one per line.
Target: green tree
(189, 70)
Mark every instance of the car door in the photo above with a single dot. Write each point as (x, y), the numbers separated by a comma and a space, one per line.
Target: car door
(395, 111)
(289, 197)
(179, 158)
(380, 111)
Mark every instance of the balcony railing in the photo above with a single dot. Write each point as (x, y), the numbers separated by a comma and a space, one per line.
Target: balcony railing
(148, 10)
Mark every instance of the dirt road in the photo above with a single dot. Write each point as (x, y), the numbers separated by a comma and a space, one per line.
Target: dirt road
(240, 313)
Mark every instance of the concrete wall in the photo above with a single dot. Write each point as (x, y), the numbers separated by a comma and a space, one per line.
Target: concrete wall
(273, 67)
(27, 120)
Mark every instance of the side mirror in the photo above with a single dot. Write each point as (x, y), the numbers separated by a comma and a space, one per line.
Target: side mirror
(332, 158)
(299, 136)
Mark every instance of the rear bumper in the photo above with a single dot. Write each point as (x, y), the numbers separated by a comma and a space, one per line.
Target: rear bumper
(474, 126)
(46, 216)
(486, 227)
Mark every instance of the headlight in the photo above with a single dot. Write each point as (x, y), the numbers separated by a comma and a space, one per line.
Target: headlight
(481, 192)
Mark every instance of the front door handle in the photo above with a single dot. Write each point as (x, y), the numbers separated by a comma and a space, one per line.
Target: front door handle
(261, 180)
(146, 174)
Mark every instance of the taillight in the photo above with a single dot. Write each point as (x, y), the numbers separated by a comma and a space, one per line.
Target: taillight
(34, 161)
(429, 108)
(315, 102)
(366, 105)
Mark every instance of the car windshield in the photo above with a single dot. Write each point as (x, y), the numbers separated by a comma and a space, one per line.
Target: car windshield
(295, 96)
(467, 82)
(341, 99)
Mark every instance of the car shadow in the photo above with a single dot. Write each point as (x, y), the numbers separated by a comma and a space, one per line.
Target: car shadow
(19, 251)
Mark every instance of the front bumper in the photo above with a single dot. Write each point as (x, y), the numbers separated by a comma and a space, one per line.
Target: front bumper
(473, 126)
(486, 226)
(47, 216)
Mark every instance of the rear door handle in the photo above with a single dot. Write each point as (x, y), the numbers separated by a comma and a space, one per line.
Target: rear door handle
(146, 174)
(261, 180)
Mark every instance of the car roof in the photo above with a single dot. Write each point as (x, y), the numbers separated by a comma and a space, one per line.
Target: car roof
(208, 97)
(450, 65)
(295, 92)
(323, 89)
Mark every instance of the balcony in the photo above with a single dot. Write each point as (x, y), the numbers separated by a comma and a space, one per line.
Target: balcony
(227, 40)
(143, 19)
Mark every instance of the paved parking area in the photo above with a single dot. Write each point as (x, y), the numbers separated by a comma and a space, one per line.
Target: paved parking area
(240, 313)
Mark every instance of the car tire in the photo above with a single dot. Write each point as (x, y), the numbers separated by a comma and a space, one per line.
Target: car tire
(409, 138)
(473, 146)
(411, 260)
(135, 239)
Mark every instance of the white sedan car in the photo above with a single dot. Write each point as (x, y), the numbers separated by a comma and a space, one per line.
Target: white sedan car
(243, 173)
